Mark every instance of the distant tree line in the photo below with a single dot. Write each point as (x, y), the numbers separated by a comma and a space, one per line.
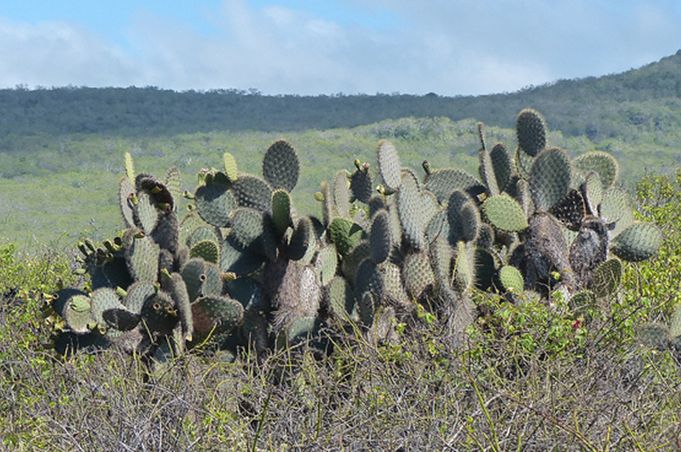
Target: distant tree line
(645, 99)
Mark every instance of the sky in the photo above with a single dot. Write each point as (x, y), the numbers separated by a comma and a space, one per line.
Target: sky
(450, 47)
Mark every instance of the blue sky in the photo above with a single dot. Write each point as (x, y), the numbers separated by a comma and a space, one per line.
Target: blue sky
(329, 46)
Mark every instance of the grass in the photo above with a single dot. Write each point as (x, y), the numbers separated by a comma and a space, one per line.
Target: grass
(51, 187)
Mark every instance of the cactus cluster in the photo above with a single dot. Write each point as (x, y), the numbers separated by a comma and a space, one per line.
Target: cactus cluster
(243, 268)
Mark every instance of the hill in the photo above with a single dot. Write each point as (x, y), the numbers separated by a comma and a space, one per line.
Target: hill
(643, 100)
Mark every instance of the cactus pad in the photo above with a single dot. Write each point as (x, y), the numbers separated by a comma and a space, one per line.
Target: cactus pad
(510, 279)
(417, 274)
(550, 178)
(253, 192)
(504, 213)
(379, 237)
(531, 132)
(280, 166)
(345, 234)
(443, 182)
(602, 163)
(502, 164)
(638, 242)
(410, 213)
(208, 250)
(215, 202)
(361, 185)
(389, 165)
(231, 169)
(215, 317)
(281, 211)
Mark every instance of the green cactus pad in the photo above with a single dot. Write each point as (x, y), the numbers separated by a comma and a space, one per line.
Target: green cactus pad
(326, 264)
(602, 163)
(120, 319)
(606, 278)
(437, 226)
(345, 234)
(235, 259)
(302, 239)
(379, 237)
(443, 182)
(247, 227)
(376, 204)
(194, 274)
(340, 299)
(531, 132)
(550, 178)
(215, 202)
(75, 308)
(297, 330)
(464, 267)
(367, 305)
(160, 195)
(592, 192)
(487, 172)
(441, 261)
(177, 289)
(125, 193)
(393, 285)
(341, 193)
(417, 274)
(389, 165)
(486, 236)
(231, 169)
(502, 165)
(142, 259)
(215, 317)
(616, 207)
(463, 217)
(361, 185)
(137, 294)
(281, 211)
(248, 292)
(369, 278)
(485, 268)
(253, 192)
(208, 250)
(410, 213)
(504, 213)
(510, 279)
(280, 166)
(102, 300)
(146, 213)
(353, 258)
(638, 242)
(201, 234)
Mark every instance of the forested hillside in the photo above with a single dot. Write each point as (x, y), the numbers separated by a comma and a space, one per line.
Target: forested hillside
(645, 100)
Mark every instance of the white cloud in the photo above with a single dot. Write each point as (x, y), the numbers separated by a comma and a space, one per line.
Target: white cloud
(445, 46)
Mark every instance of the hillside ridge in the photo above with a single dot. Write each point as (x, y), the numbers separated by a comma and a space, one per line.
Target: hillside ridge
(646, 98)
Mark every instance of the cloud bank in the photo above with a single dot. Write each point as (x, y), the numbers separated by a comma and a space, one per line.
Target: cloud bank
(445, 46)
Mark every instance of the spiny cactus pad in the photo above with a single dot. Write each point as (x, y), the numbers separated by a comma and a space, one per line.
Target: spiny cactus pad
(231, 170)
(253, 192)
(208, 250)
(443, 182)
(602, 163)
(502, 164)
(638, 242)
(531, 131)
(280, 166)
(215, 202)
(389, 165)
(550, 178)
(409, 210)
(380, 237)
(214, 317)
(511, 279)
(504, 213)
(345, 234)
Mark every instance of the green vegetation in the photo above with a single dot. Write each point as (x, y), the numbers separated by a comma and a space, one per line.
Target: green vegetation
(532, 376)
